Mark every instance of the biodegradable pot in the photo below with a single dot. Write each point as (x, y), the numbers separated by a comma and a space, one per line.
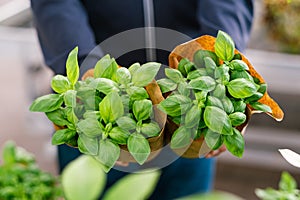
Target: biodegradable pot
(198, 147)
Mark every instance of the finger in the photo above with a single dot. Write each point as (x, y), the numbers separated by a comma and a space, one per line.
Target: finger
(122, 163)
(216, 152)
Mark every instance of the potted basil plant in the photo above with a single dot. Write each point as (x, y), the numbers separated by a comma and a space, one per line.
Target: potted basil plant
(107, 112)
(210, 99)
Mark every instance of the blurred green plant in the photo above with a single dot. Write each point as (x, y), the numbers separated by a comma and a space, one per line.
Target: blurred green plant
(287, 187)
(21, 178)
(84, 178)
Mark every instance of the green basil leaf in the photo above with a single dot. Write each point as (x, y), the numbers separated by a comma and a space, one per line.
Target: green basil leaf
(151, 129)
(83, 178)
(60, 84)
(189, 67)
(174, 74)
(181, 138)
(134, 184)
(192, 117)
(201, 98)
(217, 120)
(255, 97)
(204, 83)
(166, 85)
(111, 107)
(239, 65)
(239, 105)
(241, 88)
(220, 91)
(237, 118)
(70, 114)
(145, 74)
(82, 147)
(201, 54)
(263, 88)
(123, 75)
(213, 140)
(214, 101)
(235, 143)
(142, 109)
(177, 119)
(237, 56)
(202, 125)
(92, 114)
(126, 123)
(287, 182)
(108, 153)
(89, 98)
(70, 98)
(104, 85)
(106, 67)
(57, 117)
(88, 145)
(224, 46)
(261, 107)
(79, 110)
(9, 153)
(47, 103)
(72, 66)
(119, 135)
(222, 74)
(241, 74)
(197, 73)
(138, 147)
(133, 68)
(175, 105)
(90, 127)
(210, 65)
(227, 105)
(62, 136)
(183, 89)
(137, 93)
(127, 103)
(181, 65)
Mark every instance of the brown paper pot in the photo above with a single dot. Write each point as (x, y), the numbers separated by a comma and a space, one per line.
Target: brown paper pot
(198, 147)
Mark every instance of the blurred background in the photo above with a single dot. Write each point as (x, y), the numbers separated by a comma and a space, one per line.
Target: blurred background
(274, 50)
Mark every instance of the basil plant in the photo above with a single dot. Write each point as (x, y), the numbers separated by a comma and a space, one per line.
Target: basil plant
(209, 97)
(100, 113)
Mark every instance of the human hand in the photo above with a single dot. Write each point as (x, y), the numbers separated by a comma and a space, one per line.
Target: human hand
(214, 153)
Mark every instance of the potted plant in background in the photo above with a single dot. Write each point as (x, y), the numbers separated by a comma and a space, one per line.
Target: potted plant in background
(287, 187)
(21, 178)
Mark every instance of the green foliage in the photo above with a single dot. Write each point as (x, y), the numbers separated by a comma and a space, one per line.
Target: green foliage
(287, 190)
(21, 178)
(102, 112)
(210, 95)
(84, 178)
(135, 186)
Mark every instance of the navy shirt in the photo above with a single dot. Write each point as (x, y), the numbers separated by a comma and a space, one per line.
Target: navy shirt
(62, 25)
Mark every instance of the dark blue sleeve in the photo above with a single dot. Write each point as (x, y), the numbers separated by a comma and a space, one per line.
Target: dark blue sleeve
(232, 16)
(62, 25)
